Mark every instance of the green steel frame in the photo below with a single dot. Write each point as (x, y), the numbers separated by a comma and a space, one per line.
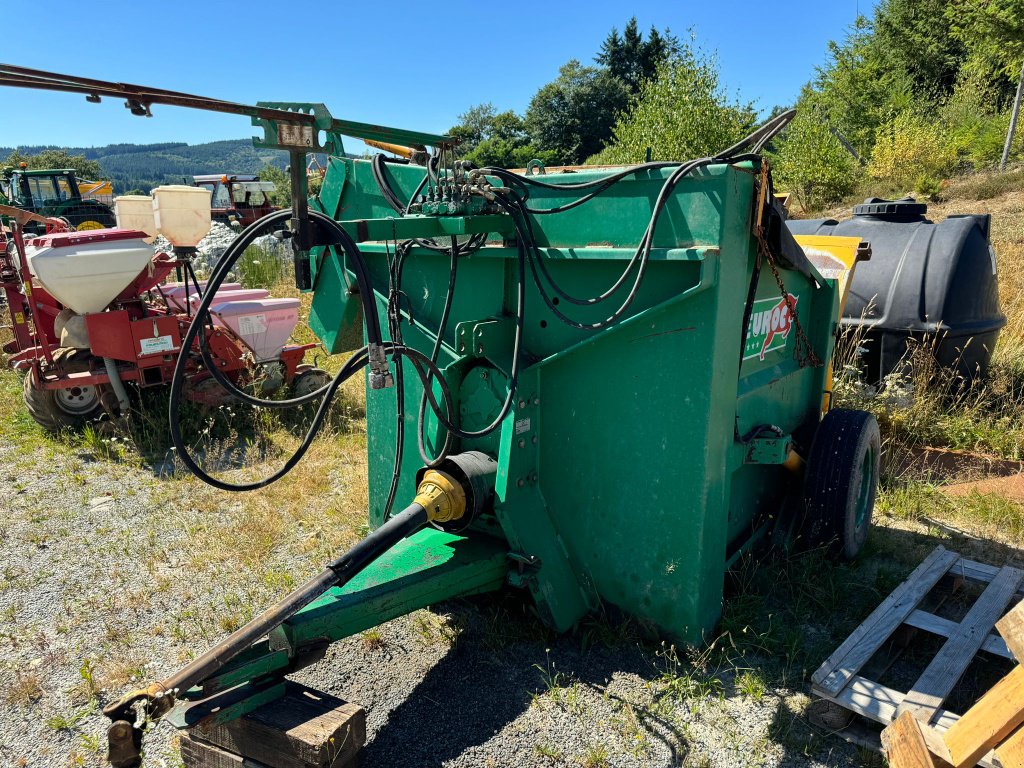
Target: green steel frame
(638, 461)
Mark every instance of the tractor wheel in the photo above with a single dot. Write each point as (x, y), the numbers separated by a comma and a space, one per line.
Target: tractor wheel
(310, 381)
(840, 481)
(90, 215)
(71, 408)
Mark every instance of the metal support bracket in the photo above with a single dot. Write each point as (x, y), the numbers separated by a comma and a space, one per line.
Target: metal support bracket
(772, 449)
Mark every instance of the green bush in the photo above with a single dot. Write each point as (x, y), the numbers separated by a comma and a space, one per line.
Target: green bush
(812, 164)
(912, 152)
(974, 126)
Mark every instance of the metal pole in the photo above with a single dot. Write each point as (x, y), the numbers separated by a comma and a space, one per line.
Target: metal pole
(1013, 122)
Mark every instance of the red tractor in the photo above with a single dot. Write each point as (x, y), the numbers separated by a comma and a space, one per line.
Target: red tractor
(237, 198)
(91, 312)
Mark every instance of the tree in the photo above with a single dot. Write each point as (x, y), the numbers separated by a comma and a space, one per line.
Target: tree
(58, 158)
(682, 113)
(474, 126)
(858, 91)
(993, 30)
(573, 116)
(914, 36)
(633, 59)
(492, 138)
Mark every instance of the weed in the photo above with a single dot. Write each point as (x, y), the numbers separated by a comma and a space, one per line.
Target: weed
(690, 678)
(373, 640)
(632, 729)
(548, 752)
(68, 722)
(750, 684)
(26, 689)
(550, 677)
(86, 672)
(595, 756)
(432, 628)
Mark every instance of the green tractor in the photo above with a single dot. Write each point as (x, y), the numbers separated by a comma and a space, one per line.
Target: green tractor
(54, 193)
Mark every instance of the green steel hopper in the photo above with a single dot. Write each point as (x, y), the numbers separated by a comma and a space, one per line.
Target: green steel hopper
(601, 387)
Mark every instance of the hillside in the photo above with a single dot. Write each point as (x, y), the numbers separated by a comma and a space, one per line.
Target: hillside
(143, 166)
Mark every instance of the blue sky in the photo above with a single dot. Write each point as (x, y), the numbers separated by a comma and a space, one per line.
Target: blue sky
(411, 65)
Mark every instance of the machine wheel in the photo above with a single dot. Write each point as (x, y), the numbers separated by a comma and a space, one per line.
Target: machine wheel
(71, 408)
(90, 215)
(840, 481)
(310, 381)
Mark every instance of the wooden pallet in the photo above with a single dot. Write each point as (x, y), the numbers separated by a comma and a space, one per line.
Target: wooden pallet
(839, 681)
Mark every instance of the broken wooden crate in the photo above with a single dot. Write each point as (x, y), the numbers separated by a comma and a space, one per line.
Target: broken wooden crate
(900, 616)
(302, 729)
(989, 731)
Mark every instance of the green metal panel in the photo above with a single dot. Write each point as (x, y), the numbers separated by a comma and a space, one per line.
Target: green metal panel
(624, 472)
(422, 570)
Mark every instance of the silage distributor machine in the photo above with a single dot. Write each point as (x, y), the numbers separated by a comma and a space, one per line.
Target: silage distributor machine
(599, 387)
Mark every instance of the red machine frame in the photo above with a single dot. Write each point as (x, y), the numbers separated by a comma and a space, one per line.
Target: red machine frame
(120, 332)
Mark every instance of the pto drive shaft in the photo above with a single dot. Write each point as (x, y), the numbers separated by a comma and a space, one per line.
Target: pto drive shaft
(440, 498)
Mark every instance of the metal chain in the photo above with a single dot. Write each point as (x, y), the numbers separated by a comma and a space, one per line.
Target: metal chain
(804, 352)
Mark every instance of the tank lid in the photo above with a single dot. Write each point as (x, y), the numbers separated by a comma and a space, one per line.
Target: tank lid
(82, 237)
(907, 208)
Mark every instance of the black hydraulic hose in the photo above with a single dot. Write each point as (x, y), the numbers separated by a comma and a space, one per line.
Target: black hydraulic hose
(639, 260)
(337, 574)
(504, 173)
(377, 167)
(394, 314)
(434, 354)
(227, 260)
(761, 136)
(353, 365)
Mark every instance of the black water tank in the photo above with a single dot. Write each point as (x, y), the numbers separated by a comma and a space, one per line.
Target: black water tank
(924, 280)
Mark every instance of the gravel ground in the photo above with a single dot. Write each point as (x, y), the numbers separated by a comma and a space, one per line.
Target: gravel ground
(211, 247)
(110, 575)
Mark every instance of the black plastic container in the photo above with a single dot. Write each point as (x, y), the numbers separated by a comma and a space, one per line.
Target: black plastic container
(924, 281)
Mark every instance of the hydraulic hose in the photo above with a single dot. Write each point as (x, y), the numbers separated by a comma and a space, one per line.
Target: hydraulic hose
(326, 392)
(125, 737)
(336, 574)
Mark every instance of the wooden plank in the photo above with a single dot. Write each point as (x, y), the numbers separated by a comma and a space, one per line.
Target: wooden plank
(1011, 751)
(877, 702)
(860, 646)
(989, 721)
(982, 573)
(199, 754)
(937, 625)
(303, 729)
(904, 745)
(949, 664)
(1011, 627)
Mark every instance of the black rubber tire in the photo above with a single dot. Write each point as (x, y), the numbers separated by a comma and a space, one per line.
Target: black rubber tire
(841, 481)
(44, 405)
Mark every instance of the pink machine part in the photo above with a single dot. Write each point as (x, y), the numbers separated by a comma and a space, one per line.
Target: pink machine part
(265, 325)
(176, 292)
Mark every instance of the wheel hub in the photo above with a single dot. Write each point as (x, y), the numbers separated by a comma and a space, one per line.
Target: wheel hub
(78, 399)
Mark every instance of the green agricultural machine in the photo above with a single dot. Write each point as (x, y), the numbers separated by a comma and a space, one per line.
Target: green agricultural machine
(601, 387)
(53, 193)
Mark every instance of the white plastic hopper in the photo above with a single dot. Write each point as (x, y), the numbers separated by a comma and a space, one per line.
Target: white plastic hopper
(85, 271)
